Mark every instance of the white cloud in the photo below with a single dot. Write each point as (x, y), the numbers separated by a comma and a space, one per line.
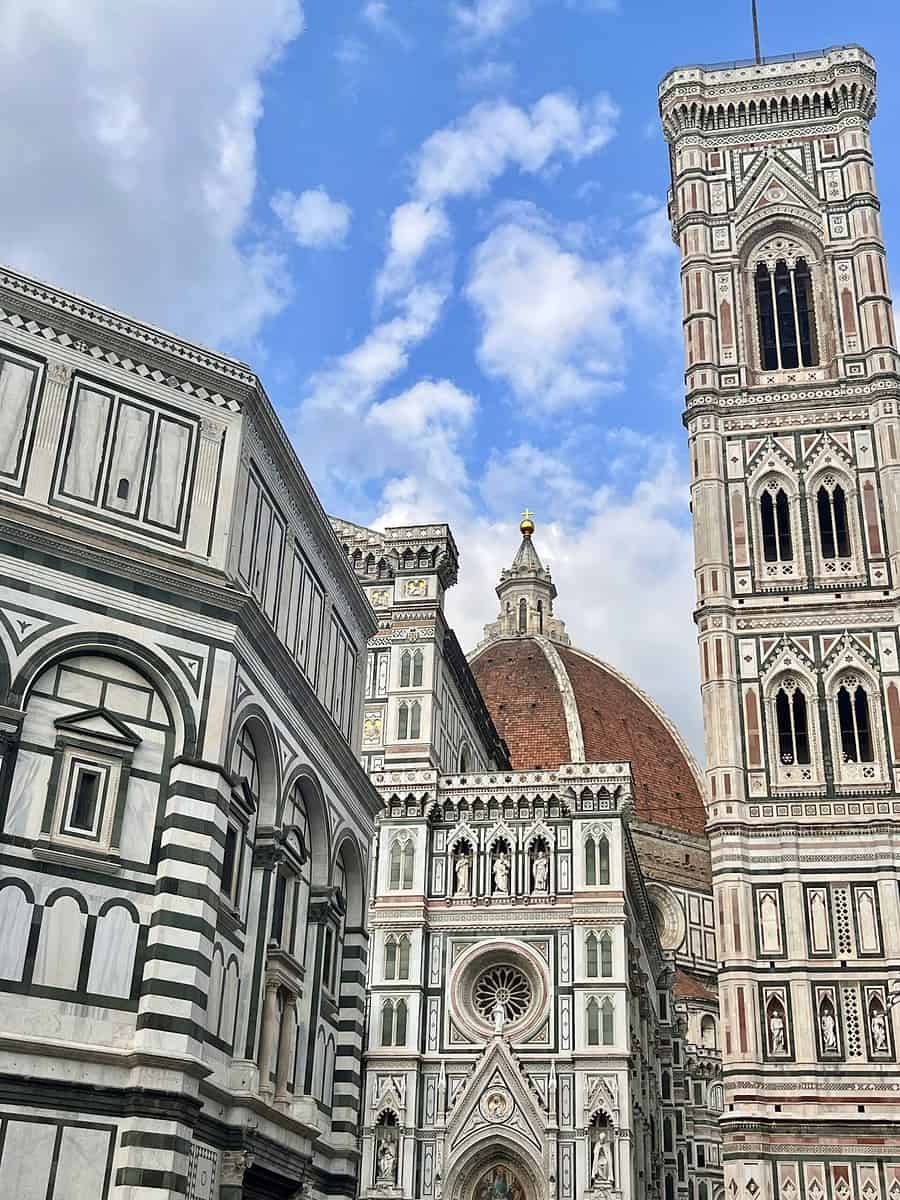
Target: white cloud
(482, 19)
(415, 227)
(552, 318)
(466, 158)
(488, 76)
(135, 156)
(376, 13)
(313, 218)
(461, 159)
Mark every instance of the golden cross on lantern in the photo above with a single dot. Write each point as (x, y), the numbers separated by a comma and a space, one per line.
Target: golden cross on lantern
(527, 514)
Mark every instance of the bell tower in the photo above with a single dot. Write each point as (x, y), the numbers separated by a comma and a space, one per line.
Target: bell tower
(792, 390)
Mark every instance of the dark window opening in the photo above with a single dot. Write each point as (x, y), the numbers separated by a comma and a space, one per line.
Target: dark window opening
(833, 532)
(87, 795)
(229, 859)
(278, 909)
(122, 488)
(785, 316)
(776, 527)
(793, 732)
(855, 729)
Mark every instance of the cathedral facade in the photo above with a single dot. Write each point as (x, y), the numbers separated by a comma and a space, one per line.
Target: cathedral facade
(542, 1015)
(792, 418)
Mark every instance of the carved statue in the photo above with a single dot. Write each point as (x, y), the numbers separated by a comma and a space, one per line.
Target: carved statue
(387, 1162)
(776, 1033)
(463, 871)
(498, 1016)
(601, 1157)
(541, 871)
(878, 1025)
(501, 874)
(829, 1031)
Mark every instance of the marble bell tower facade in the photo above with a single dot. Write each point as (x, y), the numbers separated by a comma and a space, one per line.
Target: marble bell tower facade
(792, 390)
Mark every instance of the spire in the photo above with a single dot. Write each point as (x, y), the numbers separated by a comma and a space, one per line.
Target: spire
(526, 592)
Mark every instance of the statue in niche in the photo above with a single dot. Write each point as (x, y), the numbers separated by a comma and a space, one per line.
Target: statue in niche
(501, 874)
(498, 1016)
(541, 870)
(828, 1025)
(387, 1162)
(878, 1026)
(463, 869)
(601, 1156)
(777, 1032)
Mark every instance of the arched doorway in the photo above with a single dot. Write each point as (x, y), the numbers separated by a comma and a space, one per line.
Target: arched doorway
(497, 1169)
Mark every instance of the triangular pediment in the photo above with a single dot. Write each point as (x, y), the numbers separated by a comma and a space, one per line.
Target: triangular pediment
(775, 180)
(497, 1100)
(829, 451)
(99, 723)
(768, 455)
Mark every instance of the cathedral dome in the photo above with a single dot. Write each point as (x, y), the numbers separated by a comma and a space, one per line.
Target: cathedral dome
(554, 704)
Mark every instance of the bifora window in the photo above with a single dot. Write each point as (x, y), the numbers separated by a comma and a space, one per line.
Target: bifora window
(785, 314)
(774, 511)
(831, 506)
(791, 722)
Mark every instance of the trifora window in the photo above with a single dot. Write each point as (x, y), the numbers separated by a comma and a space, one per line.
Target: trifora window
(786, 316)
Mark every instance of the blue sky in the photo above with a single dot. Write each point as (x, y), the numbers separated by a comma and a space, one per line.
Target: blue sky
(437, 230)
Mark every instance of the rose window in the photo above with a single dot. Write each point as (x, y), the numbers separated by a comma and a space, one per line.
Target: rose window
(505, 984)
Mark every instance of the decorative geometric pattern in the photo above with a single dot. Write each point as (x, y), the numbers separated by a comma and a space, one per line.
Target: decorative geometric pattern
(505, 984)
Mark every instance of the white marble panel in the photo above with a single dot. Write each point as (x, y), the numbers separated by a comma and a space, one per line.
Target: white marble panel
(229, 1002)
(139, 819)
(87, 444)
(214, 993)
(83, 1156)
(28, 792)
(112, 958)
(170, 461)
(15, 386)
(27, 1155)
(15, 925)
(128, 456)
(127, 701)
(86, 690)
(58, 957)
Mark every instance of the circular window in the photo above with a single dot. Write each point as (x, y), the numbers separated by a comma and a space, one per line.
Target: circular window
(500, 971)
(504, 984)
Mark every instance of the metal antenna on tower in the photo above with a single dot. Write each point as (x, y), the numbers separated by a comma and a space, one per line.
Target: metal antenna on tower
(756, 32)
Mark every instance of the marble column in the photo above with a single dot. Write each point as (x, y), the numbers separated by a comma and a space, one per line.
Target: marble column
(286, 1039)
(267, 1037)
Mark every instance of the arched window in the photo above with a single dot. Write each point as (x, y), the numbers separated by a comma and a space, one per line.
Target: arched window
(409, 720)
(607, 1028)
(523, 615)
(411, 668)
(791, 724)
(464, 760)
(708, 1032)
(540, 613)
(605, 955)
(670, 1188)
(403, 957)
(596, 861)
(593, 1022)
(775, 515)
(390, 958)
(387, 1023)
(666, 1085)
(785, 316)
(402, 864)
(831, 507)
(668, 1136)
(393, 1023)
(591, 956)
(400, 1024)
(703, 1190)
(854, 723)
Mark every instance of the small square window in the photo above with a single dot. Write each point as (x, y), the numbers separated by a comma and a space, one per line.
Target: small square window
(87, 796)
